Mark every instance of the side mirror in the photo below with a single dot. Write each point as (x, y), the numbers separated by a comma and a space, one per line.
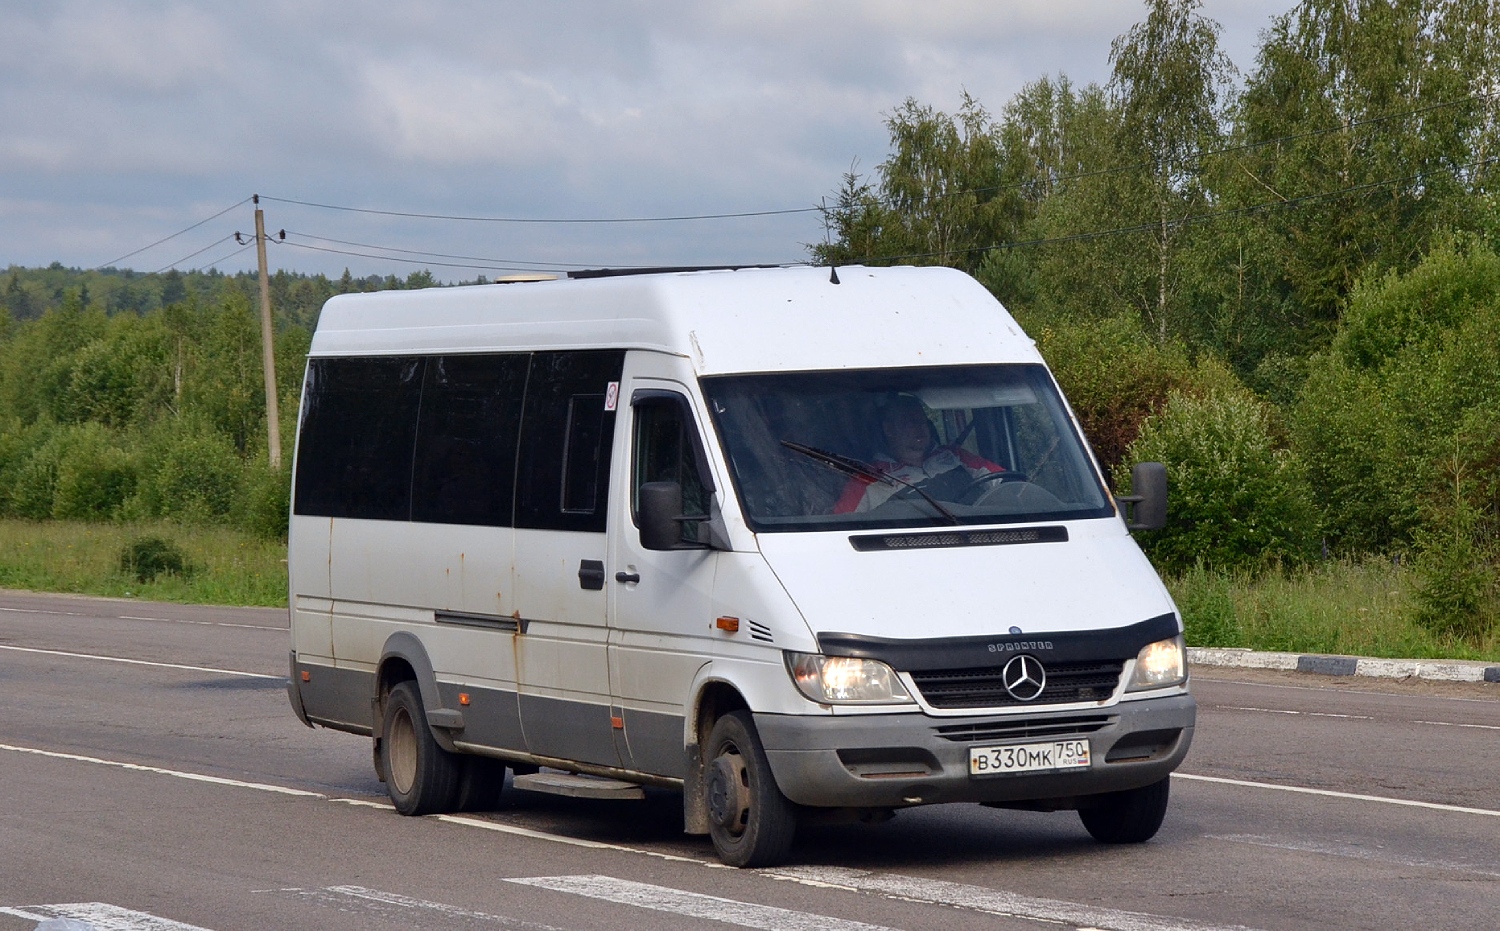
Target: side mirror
(659, 511)
(1146, 509)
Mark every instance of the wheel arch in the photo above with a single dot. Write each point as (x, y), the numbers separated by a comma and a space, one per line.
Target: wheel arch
(402, 659)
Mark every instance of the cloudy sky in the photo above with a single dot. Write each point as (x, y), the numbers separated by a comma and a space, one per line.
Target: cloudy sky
(126, 121)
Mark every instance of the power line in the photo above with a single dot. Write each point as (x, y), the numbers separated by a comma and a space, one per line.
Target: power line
(392, 258)
(222, 258)
(474, 219)
(173, 236)
(439, 255)
(518, 265)
(193, 254)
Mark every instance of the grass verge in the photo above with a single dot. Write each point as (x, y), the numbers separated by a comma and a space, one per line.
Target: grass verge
(224, 567)
(1360, 608)
(1356, 608)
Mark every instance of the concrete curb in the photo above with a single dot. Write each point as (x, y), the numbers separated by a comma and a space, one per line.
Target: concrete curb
(1444, 670)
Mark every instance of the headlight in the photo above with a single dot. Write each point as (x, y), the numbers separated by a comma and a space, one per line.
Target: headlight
(1159, 665)
(831, 680)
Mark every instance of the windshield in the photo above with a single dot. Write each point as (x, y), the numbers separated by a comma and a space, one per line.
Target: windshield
(889, 448)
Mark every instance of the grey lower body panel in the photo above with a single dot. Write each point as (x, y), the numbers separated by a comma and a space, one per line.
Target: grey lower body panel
(334, 697)
(891, 761)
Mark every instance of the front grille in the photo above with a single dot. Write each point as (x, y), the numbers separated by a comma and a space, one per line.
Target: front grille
(983, 688)
(1023, 728)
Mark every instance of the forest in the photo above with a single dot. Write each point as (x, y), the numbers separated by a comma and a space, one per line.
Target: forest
(1283, 283)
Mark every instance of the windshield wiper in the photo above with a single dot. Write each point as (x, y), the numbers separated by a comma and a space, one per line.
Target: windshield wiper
(851, 466)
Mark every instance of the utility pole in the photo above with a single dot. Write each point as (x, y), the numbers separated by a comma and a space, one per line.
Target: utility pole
(268, 353)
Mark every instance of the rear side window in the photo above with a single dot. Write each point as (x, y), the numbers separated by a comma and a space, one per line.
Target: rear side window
(359, 420)
(567, 428)
(508, 439)
(464, 466)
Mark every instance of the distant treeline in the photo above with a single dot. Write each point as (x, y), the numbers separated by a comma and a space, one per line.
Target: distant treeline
(28, 293)
(127, 396)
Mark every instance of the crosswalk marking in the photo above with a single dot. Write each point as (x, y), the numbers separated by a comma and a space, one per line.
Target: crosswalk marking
(993, 901)
(101, 915)
(694, 904)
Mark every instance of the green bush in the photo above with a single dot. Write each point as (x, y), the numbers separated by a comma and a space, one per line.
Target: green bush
(95, 476)
(1414, 363)
(1238, 500)
(147, 558)
(188, 475)
(265, 501)
(1114, 377)
(75, 471)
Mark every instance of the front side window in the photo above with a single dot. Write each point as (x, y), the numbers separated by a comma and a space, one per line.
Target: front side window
(666, 450)
(889, 448)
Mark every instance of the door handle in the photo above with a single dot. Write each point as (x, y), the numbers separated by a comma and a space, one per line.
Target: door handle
(591, 575)
(627, 576)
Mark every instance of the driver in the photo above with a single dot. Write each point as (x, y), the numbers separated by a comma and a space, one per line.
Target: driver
(912, 455)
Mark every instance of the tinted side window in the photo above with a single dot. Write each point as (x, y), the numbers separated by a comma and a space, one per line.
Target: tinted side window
(464, 468)
(567, 428)
(358, 424)
(666, 449)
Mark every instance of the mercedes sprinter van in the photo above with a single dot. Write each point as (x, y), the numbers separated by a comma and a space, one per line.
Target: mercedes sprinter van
(803, 544)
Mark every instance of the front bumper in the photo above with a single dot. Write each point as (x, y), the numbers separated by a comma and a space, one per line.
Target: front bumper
(897, 760)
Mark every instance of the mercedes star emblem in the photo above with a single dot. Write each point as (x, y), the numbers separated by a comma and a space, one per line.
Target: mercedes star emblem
(1024, 677)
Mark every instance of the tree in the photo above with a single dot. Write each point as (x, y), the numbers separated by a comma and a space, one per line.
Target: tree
(1358, 126)
(1169, 82)
(943, 197)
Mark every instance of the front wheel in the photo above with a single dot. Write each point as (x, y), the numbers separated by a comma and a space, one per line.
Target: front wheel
(421, 777)
(750, 821)
(1130, 817)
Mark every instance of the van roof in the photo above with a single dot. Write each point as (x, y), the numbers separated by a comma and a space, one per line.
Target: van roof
(740, 320)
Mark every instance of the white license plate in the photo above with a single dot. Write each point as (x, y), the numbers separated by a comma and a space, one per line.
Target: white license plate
(1029, 758)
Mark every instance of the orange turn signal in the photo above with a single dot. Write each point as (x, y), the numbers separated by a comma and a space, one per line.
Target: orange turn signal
(728, 624)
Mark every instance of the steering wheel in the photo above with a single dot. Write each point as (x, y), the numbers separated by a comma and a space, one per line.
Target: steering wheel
(995, 477)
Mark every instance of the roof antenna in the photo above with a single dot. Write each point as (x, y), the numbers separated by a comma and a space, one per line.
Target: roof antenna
(833, 271)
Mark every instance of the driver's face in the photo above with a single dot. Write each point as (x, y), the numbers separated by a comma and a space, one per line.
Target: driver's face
(907, 435)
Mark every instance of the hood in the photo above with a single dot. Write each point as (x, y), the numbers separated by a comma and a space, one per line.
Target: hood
(1095, 579)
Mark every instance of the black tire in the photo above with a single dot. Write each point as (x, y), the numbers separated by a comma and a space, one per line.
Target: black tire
(750, 821)
(421, 777)
(1130, 817)
(479, 784)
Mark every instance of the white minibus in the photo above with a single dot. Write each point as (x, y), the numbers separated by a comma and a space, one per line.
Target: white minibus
(801, 543)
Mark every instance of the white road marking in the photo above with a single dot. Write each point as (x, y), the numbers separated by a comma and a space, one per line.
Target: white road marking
(1352, 796)
(1310, 714)
(989, 901)
(391, 905)
(133, 617)
(179, 620)
(1350, 851)
(102, 916)
(694, 904)
(142, 662)
(1482, 727)
(503, 828)
(179, 774)
(23, 915)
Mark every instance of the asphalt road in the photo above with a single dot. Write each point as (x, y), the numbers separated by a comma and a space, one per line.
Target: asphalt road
(152, 776)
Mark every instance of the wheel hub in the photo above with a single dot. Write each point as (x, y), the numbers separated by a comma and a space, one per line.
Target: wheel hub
(728, 793)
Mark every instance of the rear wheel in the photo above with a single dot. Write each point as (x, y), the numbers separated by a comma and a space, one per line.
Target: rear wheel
(421, 777)
(750, 821)
(1129, 817)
